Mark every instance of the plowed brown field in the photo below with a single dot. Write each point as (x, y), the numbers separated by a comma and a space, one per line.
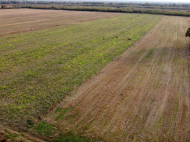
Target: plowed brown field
(20, 20)
(143, 95)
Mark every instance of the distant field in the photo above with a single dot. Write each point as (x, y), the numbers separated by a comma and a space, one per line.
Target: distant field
(39, 68)
(19, 20)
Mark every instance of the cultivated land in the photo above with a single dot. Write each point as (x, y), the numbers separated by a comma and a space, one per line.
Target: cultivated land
(19, 20)
(141, 96)
(39, 68)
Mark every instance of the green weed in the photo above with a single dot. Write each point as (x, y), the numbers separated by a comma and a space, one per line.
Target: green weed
(70, 137)
(45, 129)
(62, 112)
(149, 53)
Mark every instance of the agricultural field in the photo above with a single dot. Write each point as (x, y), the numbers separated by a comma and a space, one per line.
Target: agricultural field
(97, 76)
(40, 67)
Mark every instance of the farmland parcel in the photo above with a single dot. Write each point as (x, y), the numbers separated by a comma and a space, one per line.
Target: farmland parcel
(141, 95)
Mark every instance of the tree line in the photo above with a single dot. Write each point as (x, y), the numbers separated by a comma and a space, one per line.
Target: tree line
(97, 9)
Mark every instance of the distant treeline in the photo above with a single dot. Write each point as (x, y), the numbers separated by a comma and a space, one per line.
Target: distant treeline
(172, 9)
(8, 6)
(171, 13)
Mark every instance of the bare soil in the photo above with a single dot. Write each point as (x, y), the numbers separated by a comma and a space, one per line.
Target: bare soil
(143, 95)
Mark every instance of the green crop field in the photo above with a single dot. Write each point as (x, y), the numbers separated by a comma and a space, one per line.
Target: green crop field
(39, 68)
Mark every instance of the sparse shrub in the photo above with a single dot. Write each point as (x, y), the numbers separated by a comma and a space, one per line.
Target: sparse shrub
(30, 121)
(3, 6)
(188, 33)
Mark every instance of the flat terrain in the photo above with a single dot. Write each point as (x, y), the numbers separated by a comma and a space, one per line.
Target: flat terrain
(39, 68)
(143, 95)
(56, 75)
(19, 20)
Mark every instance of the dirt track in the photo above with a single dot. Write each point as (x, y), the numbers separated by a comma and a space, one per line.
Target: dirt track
(20, 20)
(143, 95)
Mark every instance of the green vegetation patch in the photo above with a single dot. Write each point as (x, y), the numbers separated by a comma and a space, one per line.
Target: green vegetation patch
(70, 137)
(38, 69)
(62, 112)
(45, 129)
(149, 53)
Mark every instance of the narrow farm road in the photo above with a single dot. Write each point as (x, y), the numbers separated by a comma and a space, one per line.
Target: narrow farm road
(142, 95)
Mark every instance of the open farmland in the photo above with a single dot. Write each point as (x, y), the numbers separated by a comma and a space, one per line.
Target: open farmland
(143, 95)
(56, 76)
(39, 68)
(19, 20)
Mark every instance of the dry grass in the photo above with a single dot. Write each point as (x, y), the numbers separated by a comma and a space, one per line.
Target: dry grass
(141, 96)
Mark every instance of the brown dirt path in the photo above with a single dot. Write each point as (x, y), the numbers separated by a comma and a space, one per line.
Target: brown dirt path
(141, 96)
